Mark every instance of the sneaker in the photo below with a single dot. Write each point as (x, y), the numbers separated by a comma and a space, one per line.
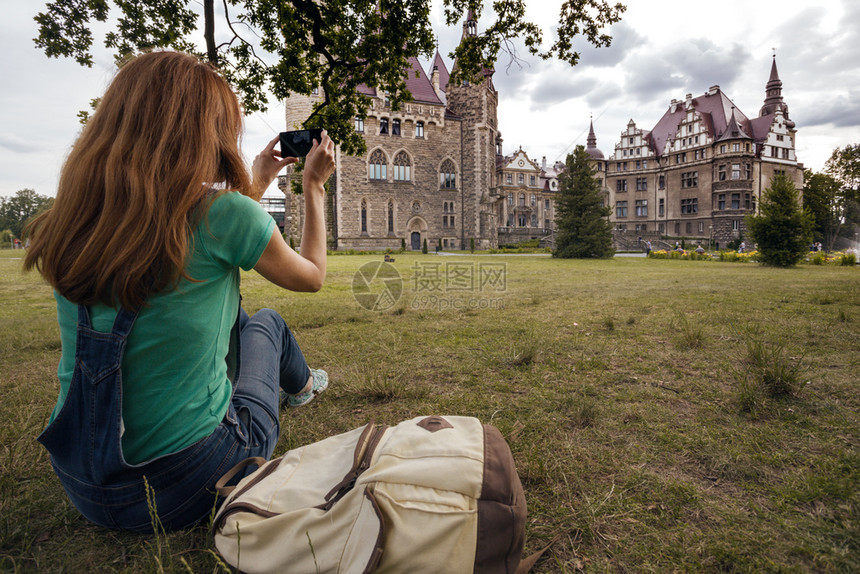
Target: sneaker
(319, 384)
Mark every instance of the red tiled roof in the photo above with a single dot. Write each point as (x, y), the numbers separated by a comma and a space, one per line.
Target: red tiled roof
(367, 91)
(716, 110)
(439, 63)
(759, 127)
(420, 87)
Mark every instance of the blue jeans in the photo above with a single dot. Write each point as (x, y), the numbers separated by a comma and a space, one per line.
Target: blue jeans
(84, 439)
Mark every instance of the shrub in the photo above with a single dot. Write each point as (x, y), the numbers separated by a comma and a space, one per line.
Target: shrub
(848, 259)
(424, 246)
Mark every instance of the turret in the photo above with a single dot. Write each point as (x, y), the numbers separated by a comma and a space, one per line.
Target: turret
(773, 96)
(591, 148)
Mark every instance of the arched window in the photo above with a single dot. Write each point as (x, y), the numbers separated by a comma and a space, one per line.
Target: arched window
(364, 216)
(377, 167)
(447, 175)
(390, 217)
(402, 167)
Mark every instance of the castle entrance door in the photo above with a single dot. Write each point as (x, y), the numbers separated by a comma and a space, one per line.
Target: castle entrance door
(416, 241)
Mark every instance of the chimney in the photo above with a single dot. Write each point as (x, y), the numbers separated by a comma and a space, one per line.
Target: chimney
(673, 105)
(712, 91)
(434, 77)
(543, 163)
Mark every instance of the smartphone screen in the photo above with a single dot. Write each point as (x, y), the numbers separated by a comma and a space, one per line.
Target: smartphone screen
(298, 143)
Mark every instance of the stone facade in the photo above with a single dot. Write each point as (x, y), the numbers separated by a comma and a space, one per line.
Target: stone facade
(527, 193)
(701, 169)
(400, 196)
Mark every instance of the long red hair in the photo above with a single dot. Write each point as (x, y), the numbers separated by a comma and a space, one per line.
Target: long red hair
(136, 182)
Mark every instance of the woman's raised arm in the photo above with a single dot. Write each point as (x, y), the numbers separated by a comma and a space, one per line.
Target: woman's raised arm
(279, 263)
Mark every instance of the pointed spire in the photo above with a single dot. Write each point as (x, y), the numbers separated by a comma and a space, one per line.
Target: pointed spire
(592, 139)
(591, 148)
(733, 129)
(774, 74)
(773, 94)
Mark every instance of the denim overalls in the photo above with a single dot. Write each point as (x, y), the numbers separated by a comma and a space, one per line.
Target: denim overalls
(86, 452)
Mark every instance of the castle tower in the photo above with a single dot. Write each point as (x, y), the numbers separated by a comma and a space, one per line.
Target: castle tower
(476, 105)
(773, 96)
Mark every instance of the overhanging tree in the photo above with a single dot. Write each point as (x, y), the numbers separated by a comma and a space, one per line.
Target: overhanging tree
(283, 47)
(782, 231)
(583, 229)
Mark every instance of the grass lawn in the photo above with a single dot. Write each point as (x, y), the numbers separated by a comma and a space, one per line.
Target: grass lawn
(665, 416)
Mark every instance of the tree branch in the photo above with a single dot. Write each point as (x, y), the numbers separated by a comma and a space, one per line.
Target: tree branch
(209, 30)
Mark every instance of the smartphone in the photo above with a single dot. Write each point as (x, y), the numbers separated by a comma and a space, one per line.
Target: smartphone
(299, 143)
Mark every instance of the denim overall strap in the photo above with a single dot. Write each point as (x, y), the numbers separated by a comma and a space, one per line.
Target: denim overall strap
(84, 438)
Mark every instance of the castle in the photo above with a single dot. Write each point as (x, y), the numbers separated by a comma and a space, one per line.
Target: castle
(701, 169)
(429, 171)
(435, 172)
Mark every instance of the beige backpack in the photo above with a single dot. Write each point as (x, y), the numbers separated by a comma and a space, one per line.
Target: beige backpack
(429, 495)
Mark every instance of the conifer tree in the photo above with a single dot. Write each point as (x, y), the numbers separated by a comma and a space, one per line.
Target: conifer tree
(583, 229)
(781, 230)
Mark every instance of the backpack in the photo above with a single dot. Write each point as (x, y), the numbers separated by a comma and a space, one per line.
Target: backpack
(429, 495)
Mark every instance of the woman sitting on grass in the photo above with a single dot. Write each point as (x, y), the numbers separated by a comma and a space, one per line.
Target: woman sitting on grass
(165, 383)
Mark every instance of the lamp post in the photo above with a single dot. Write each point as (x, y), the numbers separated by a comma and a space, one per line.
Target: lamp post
(710, 237)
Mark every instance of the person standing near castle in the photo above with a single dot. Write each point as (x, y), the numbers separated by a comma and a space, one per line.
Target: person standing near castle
(165, 382)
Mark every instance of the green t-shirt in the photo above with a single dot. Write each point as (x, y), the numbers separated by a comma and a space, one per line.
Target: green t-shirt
(175, 386)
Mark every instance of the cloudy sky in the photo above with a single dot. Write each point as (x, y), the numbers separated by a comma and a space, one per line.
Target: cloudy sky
(661, 50)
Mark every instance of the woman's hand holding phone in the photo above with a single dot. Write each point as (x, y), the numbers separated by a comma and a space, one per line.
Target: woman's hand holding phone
(266, 167)
(319, 164)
